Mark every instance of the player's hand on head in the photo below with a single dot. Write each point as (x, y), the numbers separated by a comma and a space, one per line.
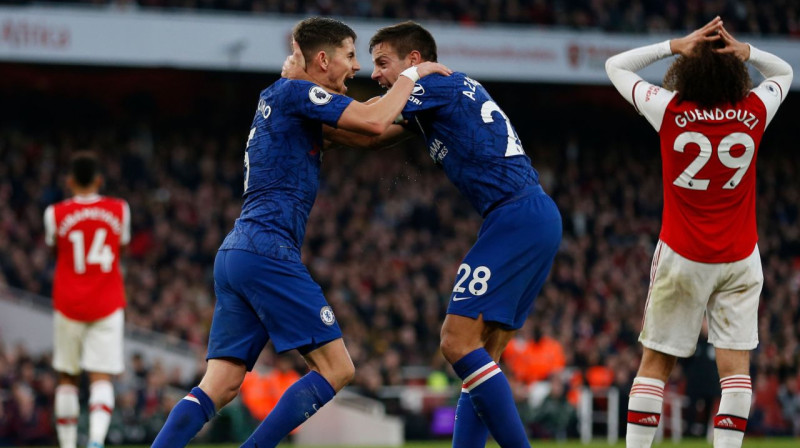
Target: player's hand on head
(732, 46)
(685, 46)
(427, 68)
(294, 67)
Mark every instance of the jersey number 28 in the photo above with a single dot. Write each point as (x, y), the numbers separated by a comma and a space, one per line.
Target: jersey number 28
(513, 148)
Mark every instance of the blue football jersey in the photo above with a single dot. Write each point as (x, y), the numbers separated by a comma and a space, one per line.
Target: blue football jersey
(282, 163)
(471, 137)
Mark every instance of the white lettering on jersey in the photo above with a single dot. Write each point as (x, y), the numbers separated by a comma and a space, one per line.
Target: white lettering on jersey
(418, 91)
(415, 100)
(264, 109)
(690, 116)
(438, 150)
(472, 84)
(90, 213)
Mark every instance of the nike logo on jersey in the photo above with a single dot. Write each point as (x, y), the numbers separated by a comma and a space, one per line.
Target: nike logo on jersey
(458, 299)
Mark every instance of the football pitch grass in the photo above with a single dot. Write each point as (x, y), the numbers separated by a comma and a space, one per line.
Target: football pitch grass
(750, 442)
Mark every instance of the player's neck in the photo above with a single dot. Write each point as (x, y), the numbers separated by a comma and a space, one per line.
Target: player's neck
(320, 77)
(84, 193)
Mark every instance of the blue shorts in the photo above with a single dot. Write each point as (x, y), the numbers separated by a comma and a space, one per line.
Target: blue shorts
(504, 271)
(260, 298)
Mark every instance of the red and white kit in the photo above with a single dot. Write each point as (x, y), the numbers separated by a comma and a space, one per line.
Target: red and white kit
(88, 292)
(707, 258)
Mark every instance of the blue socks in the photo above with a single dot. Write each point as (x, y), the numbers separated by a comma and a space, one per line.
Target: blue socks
(491, 396)
(185, 420)
(470, 431)
(300, 401)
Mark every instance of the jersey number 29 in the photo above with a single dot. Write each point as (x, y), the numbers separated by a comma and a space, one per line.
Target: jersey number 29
(687, 178)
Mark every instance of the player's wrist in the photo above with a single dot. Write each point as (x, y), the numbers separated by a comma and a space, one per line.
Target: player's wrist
(411, 73)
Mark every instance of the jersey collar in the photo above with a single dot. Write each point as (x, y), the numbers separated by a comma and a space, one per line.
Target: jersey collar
(86, 198)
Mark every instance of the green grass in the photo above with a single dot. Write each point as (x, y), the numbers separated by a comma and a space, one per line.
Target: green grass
(750, 442)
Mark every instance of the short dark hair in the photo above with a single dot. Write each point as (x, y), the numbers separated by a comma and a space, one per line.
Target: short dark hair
(84, 168)
(708, 78)
(320, 33)
(406, 37)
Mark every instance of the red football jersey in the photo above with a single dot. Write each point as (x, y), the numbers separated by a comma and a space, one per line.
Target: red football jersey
(88, 232)
(709, 170)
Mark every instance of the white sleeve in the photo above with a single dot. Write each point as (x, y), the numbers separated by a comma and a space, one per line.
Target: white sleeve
(50, 226)
(778, 74)
(649, 100)
(125, 237)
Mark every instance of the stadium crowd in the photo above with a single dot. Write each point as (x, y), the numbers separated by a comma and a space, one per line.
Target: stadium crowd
(629, 16)
(384, 241)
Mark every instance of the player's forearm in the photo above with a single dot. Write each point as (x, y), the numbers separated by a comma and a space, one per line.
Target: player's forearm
(772, 67)
(622, 68)
(350, 139)
(375, 118)
(638, 58)
(392, 136)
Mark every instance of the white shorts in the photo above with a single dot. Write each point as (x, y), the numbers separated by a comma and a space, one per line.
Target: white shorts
(683, 291)
(90, 346)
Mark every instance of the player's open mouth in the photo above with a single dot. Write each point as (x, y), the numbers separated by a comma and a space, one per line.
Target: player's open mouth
(344, 83)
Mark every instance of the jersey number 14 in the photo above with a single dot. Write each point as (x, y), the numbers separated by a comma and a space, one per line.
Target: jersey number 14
(99, 253)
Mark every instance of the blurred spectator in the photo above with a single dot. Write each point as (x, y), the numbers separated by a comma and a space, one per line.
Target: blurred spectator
(533, 355)
(742, 16)
(31, 421)
(702, 385)
(789, 398)
(264, 385)
(555, 417)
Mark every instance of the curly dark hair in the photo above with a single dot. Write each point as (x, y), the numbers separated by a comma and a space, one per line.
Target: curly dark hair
(708, 78)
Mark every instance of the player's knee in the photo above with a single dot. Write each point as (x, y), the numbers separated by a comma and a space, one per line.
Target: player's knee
(346, 373)
(452, 348)
(220, 392)
(339, 375)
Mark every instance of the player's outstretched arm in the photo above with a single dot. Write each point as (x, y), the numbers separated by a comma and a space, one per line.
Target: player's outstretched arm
(373, 119)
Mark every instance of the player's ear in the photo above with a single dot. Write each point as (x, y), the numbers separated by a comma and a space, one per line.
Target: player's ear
(322, 59)
(70, 182)
(415, 58)
(98, 181)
